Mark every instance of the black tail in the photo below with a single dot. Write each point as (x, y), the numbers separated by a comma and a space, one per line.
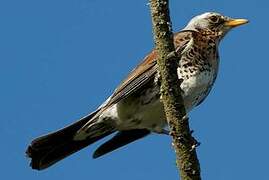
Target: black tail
(49, 149)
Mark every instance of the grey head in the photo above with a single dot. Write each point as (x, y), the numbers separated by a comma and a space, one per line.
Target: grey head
(214, 22)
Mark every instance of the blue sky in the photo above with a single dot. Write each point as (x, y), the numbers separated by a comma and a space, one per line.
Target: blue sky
(61, 59)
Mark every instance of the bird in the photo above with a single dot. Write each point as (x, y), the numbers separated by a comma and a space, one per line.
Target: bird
(134, 110)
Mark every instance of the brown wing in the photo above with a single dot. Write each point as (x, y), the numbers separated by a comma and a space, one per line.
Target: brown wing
(137, 78)
(146, 70)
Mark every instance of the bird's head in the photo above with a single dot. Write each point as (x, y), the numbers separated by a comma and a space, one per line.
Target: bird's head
(215, 23)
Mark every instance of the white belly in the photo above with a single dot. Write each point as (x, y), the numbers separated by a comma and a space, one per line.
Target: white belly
(146, 111)
(195, 88)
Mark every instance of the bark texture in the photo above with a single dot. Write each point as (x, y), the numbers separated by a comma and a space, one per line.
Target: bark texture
(183, 142)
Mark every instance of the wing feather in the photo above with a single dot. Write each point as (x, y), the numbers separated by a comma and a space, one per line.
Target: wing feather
(143, 73)
(146, 70)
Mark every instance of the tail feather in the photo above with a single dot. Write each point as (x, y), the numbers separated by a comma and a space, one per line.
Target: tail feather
(49, 149)
(122, 138)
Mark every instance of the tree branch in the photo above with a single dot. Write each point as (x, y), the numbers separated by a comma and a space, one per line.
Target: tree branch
(183, 142)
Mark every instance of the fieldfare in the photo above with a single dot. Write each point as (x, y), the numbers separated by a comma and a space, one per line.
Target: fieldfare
(134, 110)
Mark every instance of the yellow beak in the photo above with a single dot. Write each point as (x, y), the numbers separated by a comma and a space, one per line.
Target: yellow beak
(236, 22)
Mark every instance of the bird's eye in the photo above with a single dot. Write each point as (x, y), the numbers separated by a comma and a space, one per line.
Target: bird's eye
(214, 19)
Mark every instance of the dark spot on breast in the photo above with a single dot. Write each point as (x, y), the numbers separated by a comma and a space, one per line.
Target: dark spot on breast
(191, 53)
(209, 48)
(196, 61)
(210, 41)
(203, 56)
(188, 64)
(191, 71)
(194, 69)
